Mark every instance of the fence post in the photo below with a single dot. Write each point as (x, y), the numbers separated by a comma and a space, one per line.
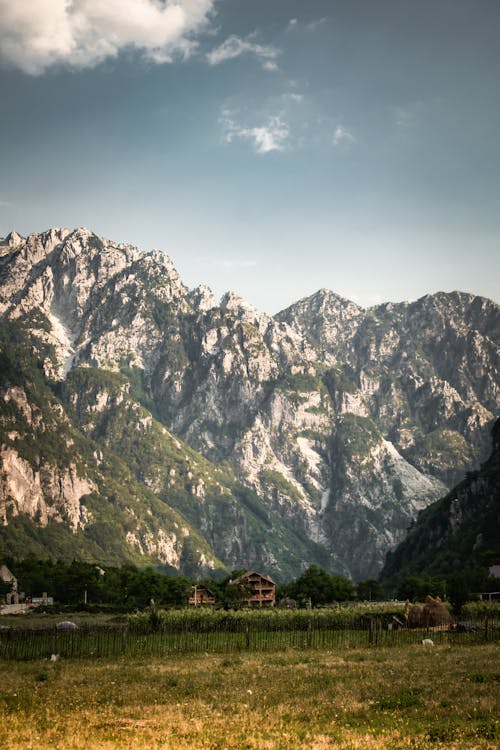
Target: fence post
(54, 640)
(486, 629)
(247, 636)
(124, 638)
(370, 633)
(309, 634)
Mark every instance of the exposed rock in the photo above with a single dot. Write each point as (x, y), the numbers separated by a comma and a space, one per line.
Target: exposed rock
(451, 534)
(43, 494)
(271, 396)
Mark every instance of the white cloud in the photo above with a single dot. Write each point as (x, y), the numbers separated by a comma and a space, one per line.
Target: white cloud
(234, 46)
(270, 65)
(341, 135)
(313, 25)
(272, 136)
(37, 34)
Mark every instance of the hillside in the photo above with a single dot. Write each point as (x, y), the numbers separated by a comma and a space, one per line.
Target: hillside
(453, 534)
(314, 436)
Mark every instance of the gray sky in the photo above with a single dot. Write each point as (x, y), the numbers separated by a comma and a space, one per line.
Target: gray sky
(271, 147)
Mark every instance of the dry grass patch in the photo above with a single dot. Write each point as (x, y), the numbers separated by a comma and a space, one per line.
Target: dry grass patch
(395, 699)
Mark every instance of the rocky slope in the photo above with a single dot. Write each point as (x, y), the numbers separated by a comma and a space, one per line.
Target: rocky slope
(87, 471)
(452, 534)
(341, 422)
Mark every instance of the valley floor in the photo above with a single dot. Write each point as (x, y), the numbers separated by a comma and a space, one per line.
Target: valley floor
(394, 698)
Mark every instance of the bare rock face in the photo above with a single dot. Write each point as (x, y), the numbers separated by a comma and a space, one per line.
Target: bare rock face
(91, 292)
(44, 494)
(38, 488)
(13, 239)
(375, 494)
(345, 422)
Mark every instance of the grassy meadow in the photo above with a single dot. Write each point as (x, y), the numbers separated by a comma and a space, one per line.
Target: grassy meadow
(399, 697)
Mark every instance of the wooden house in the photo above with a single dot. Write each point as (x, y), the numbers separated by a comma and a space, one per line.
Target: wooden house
(201, 596)
(261, 589)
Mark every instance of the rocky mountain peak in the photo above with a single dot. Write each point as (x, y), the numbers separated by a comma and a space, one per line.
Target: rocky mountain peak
(12, 240)
(323, 301)
(344, 421)
(325, 320)
(202, 298)
(162, 259)
(240, 307)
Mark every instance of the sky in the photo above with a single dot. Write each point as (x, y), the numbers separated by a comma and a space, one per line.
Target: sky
(270, 147)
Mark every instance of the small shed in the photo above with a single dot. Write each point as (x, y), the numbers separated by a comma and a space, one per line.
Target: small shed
(201, 596)
(262, 589)
(9, 578)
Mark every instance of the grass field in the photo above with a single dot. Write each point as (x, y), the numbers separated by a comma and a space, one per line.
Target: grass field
(45, 620)
(391, 698)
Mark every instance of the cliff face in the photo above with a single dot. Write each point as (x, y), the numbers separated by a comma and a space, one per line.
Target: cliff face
(452, 533)
(340, 422)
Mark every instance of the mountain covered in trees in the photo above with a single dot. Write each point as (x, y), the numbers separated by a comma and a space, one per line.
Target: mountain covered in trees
(459, 533)
(144, 422)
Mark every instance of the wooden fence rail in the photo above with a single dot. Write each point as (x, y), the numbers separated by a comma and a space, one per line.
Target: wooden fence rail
(226, 637)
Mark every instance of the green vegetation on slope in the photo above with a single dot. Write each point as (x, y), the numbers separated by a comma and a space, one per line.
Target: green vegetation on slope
(125, 521)
(457, 533)
(442, 448)
(156, 498)
(356, 436)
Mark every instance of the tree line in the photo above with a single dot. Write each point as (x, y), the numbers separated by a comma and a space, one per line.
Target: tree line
(128, 587)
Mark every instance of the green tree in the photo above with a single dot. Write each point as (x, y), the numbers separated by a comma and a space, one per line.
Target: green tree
(416, 588)
(229, 595)
(370, 590)
(463, 586)
(317, 586)
(458, 590)
(344, 589)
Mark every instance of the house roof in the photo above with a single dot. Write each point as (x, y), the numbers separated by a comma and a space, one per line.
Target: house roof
(249, 573)
(201, 587)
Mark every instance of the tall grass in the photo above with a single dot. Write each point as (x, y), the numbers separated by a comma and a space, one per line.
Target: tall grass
(157, 632)
(402, 698)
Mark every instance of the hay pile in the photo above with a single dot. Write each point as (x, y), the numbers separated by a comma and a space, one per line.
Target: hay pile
(415, 616)
(429, 615)
(435, 612)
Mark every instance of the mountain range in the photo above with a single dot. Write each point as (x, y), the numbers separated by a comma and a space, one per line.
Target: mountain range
(146, 422)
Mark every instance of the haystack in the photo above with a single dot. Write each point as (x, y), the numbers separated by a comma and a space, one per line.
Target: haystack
(429, 615)
(415, 616)
(435, 612)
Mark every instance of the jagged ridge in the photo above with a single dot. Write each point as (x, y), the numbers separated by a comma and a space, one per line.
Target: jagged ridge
(344, 421)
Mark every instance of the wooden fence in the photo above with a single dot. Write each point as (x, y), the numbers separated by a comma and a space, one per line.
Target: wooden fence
(227, 637)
